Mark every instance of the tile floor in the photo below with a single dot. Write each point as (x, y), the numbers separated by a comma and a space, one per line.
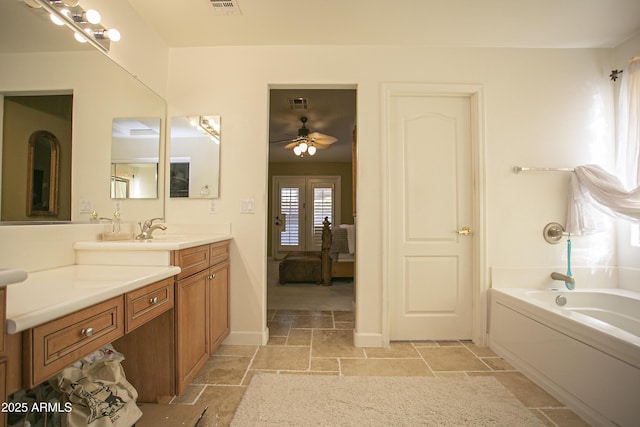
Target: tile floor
(321, 343)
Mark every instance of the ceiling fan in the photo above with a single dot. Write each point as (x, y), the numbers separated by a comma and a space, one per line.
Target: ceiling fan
(307, 142)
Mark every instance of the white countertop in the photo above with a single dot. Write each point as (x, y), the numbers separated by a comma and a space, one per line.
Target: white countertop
(9, 276)
(49, 294)
(160, 242)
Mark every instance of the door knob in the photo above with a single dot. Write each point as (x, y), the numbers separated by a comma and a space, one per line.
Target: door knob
(465, 231)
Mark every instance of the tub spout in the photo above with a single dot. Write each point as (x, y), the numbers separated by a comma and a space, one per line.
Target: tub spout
(563, 277)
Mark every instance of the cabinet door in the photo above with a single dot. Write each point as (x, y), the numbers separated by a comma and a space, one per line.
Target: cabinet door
(219, 304)
(192, 329)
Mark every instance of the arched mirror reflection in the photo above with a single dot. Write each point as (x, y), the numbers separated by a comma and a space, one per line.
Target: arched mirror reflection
(42, 181)
(194, 168)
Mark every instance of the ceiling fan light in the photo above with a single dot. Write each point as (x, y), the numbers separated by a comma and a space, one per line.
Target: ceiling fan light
(311, 150)
(303, 146)
(297, 150)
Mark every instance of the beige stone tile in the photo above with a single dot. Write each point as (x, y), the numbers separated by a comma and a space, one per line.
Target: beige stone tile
(222, 402)
(385, 367)
(223, 370)
(419, 344)
(314, 313)
(189, 395)
(334, 343)
(445, 374)
(277, 341)
(252, 372)
(271, 313)
(542, 417)
(451, 359)
(449, 343)
(282, 358)
(279, 327)
(564, 417)
(344, 316)
(498, 363)
(312, 322)
(479, 351)
(236, 350)
(325, 364)
(299, 337)
(395, 350)
(345, 325)
(526, 391)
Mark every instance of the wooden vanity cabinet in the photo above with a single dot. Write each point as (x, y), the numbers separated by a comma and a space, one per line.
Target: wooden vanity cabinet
(3, 354)
(202, 307)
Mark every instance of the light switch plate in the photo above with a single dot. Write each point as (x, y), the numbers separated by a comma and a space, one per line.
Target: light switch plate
(86, 206)
(247, 206)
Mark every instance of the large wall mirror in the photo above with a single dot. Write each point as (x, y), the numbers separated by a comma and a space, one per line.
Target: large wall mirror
(40, 59)
(194, 167)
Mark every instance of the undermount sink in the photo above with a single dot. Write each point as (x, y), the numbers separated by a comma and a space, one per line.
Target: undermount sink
(9, 276)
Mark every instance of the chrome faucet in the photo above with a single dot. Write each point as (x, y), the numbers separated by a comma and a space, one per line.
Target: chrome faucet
(563, 277)
(147, 228)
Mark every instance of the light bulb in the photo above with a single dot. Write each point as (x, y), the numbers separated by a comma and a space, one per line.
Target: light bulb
(303, 146)
(92, 16)
(311, 150)
(297, 150)
(114, 35)
(57, 20)
(79, 37)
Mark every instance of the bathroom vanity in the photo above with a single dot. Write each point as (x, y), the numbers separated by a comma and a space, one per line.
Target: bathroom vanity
(164, 304)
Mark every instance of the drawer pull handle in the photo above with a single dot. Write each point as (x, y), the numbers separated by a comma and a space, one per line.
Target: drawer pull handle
(153, 300)
(213, 276)
(87, 332)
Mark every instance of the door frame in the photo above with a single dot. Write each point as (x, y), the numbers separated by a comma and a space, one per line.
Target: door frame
(480, 282)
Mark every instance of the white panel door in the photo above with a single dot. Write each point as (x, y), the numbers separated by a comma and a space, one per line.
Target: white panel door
(430, 204)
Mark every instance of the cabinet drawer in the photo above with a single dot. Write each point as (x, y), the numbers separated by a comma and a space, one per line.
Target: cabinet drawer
(191, 260)
(219, 252)
(148, 302)
(53, 346)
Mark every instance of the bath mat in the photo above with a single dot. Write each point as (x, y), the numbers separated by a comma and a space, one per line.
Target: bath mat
(309, 400)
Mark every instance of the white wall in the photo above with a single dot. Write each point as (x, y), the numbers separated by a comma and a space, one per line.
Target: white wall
(547, 108)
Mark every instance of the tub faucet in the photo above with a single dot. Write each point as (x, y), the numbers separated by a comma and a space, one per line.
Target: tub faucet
(147, 228)
(563, 277)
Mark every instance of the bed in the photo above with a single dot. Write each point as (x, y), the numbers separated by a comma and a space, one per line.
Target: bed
(335, 260)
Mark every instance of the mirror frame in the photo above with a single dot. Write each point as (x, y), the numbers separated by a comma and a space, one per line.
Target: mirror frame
(54, 163)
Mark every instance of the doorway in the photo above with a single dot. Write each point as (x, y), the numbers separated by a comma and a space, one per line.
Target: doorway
(303, 189)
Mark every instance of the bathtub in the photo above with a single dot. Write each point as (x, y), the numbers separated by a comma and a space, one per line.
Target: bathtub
(586, 352)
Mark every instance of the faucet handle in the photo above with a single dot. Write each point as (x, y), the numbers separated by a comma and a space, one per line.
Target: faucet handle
(150, 221)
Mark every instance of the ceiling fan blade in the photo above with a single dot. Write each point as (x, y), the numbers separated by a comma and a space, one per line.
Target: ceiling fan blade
(290, 145)
(281, 140)
(320, 138)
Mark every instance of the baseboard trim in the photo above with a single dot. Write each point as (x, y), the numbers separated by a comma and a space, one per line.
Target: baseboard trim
(368, 340)
(247, 338)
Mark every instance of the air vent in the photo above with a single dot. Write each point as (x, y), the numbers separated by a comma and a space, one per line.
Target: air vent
(298, 103)
(225, 7)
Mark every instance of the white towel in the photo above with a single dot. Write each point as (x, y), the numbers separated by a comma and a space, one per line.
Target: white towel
(351, 236)
(594, 189)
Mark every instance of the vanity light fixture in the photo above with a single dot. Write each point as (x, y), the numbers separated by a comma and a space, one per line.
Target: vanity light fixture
(85, 24)
(208, 126)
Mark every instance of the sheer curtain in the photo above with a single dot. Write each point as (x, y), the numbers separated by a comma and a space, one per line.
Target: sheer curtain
(594, 190)
(628, 129)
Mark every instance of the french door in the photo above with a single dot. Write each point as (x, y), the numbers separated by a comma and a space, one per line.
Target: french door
(300, 205)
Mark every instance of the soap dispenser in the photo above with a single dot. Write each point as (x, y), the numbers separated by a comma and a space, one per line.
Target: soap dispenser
(116, 221)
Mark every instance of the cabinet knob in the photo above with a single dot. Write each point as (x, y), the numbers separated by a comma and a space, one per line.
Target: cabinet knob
(211, 276)
(87, 332)
(153, 300)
